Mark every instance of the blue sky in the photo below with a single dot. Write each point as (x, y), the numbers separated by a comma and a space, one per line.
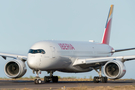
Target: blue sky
(24, 22)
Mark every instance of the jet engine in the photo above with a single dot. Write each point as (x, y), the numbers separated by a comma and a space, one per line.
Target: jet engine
(114, 69)
(15, 68)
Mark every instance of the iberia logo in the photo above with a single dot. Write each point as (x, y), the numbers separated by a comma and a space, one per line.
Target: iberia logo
(65, 46)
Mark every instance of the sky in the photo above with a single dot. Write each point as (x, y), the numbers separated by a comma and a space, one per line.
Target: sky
(25, 22)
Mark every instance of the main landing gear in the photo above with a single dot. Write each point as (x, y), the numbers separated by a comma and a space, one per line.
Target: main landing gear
(46, 78)
(51, 78)
(100, 78)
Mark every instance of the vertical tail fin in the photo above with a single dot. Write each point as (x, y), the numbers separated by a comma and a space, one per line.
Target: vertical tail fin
(106, 36)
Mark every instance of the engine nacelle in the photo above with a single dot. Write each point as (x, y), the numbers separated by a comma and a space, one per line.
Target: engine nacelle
(114, 69)
(15, 68)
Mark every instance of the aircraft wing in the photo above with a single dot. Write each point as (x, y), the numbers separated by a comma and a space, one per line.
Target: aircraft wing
(15, 56)
(101, 60)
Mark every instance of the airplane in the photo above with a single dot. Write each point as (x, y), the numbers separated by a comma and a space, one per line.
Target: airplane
(71, 57)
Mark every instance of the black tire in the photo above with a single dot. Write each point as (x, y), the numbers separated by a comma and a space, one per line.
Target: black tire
(39, 81)
(106, 79)
(46, 79)
(35, 81)
(103, 79)
(96, 79)
(55, 79)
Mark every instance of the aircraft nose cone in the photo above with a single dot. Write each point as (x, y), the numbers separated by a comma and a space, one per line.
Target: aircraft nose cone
(32, 63)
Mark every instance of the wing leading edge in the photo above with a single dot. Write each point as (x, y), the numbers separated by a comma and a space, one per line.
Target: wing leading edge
(15, 56)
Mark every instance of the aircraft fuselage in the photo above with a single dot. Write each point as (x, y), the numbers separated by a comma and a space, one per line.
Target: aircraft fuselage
(60, 55)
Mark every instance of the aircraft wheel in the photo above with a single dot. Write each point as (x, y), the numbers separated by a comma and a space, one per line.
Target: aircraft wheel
(55, 79)
(46, 79)
(104, 79)
(96, 79)
(35, 81)
(39, 81)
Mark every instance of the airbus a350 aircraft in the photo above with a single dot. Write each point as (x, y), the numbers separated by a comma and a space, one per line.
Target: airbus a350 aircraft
(70, 56)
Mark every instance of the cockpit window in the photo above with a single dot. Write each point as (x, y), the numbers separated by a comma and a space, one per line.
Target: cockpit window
(37, 51)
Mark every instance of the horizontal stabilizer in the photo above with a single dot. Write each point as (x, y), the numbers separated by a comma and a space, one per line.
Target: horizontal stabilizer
(113, 51)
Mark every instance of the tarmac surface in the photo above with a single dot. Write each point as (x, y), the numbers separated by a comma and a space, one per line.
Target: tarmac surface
(30, 84)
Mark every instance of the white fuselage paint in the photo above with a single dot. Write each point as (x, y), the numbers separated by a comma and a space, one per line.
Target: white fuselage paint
(60, 55)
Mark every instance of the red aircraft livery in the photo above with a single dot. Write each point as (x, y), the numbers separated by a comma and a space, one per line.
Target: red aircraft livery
(65, 46)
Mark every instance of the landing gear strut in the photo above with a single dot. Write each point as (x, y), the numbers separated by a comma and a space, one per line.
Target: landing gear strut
(100, 78)
(51, 78)
(37, 80)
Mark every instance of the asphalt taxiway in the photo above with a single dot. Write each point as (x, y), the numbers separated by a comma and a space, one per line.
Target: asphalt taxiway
(60, 84)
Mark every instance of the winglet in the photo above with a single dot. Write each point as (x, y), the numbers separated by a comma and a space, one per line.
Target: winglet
(106, 36)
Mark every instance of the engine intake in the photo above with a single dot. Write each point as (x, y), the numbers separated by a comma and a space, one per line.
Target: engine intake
(12, 68)
(15, 68)
(114, 69)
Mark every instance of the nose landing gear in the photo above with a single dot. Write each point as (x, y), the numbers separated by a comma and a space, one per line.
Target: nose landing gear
(37, 80)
